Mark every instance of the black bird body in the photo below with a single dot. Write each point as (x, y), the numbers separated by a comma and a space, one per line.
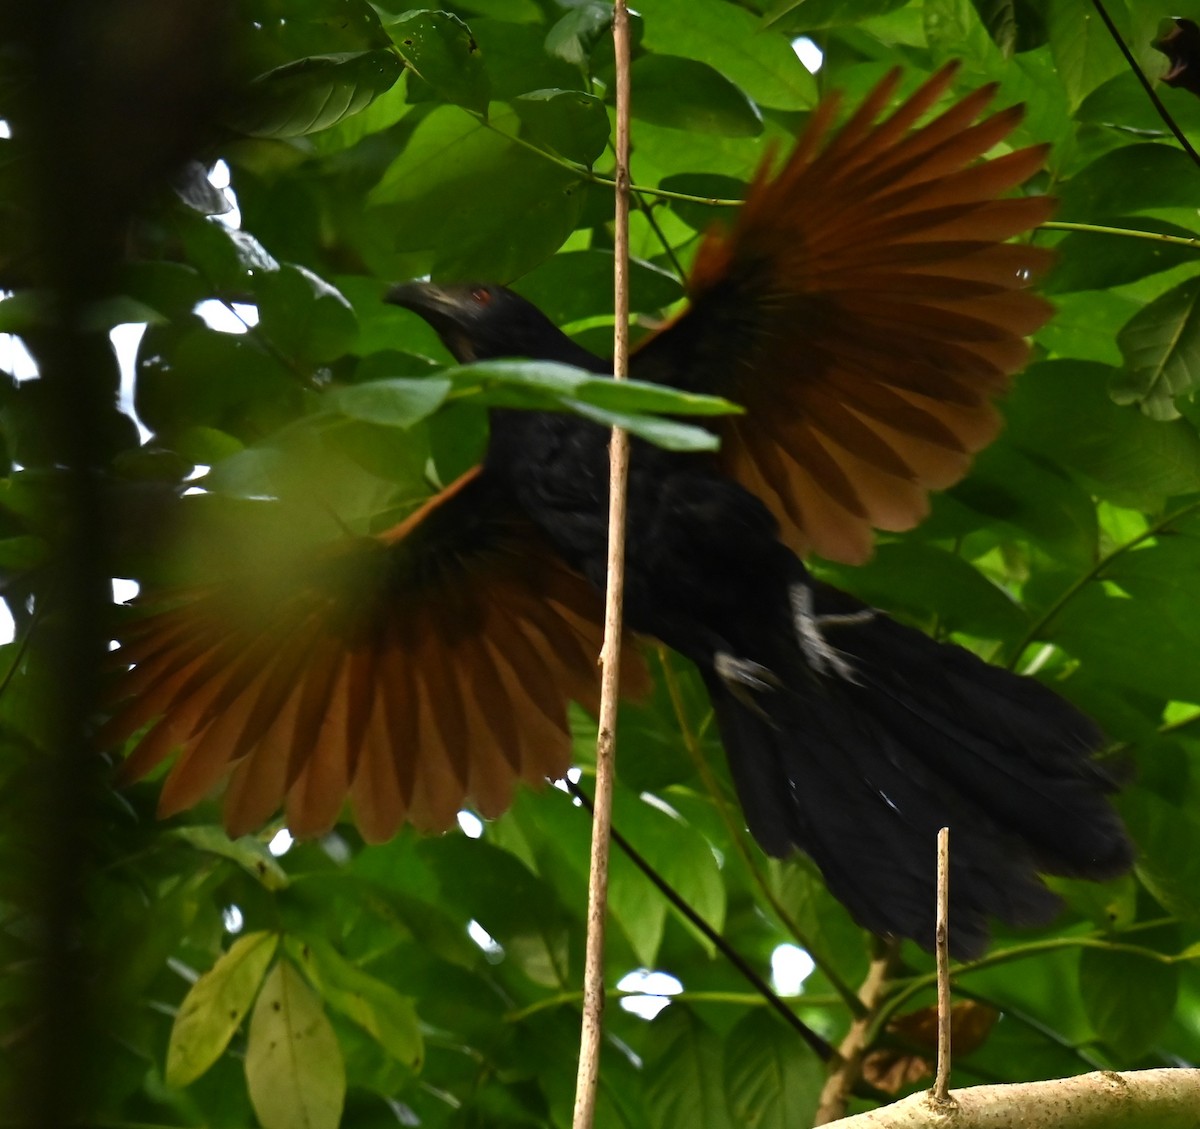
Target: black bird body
(866, 309)
(856, 756)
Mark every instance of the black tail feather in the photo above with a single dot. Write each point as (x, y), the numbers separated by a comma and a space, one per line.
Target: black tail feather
(861, 775)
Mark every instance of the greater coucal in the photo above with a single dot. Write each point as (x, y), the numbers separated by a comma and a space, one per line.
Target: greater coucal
(865, 309)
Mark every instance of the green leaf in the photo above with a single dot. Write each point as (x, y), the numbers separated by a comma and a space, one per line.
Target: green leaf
(294, 1067)
(192, 186)
(1122, 102)
(638, 396)
(392, 403)
(441, 49)
(206, 445)
(1121, 454)
(568, 121)
(383, 113)
(553, 836)
(539, 383)
(173, 289)
(1082, 326)
(303, 315)
(1127, 181)
(682, 855)
(1161, 346)
(523, 11)
(684, 1073)
(828, 930)
(579, 284)
(1014, 25)
(189, 376)
(686, 94)
(771, 1079)
(795, 16)
(661, 432)
(731, 39)
(18, 554)
(924, 582)
(518, 60)
(1082, 46)
(475, 204)
(249, 853)
(1034, 496)
(224, 258)
(1168, 839)
(954, 27)
(548, 386)
(25, 311)
(376, 1007)
(579, 30)
(1128, 999)
(517, 908)
(29, 310)
(215, 1006)
(1096, 627)
(314, 93)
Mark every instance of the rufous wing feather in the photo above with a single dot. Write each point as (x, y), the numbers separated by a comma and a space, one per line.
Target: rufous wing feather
(865, 309)
(412, 674)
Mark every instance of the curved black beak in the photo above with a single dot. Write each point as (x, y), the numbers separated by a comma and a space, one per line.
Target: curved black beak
(424, 298)
(443, 308)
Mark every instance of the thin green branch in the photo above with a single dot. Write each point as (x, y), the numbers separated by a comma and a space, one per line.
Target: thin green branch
(648, 212)
(1072, 590)
(1095, 940)
(1035, 1025)
(585, 173)
(593, 177)
(739, 999)
(692, 745)
(1128, 232)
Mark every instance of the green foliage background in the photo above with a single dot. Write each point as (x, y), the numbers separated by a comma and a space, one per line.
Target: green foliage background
(367, 144)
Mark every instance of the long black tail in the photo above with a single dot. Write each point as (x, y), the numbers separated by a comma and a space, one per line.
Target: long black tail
(862, 773)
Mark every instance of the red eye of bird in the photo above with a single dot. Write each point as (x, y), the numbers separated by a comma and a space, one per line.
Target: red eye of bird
(482, 296)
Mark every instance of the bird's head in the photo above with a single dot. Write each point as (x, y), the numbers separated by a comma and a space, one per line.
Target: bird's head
(482, 322)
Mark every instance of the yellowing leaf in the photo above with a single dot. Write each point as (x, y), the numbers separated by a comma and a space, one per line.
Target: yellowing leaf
(376, 1007)
(294, 1068)
(214, 1008)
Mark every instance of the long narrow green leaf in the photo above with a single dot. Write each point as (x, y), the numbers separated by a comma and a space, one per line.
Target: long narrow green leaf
(215, 1007)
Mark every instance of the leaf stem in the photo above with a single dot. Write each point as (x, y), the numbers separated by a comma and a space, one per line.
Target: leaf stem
(585, 173)
(1093, 573)
(648, 212)
(738, 999)
(1020, 952)
(1128, 232)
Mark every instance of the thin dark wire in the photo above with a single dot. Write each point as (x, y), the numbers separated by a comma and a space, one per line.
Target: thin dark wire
(819, 1046)
(1163, 112)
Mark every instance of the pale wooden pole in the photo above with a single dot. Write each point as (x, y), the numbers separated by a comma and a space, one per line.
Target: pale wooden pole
(610, 656)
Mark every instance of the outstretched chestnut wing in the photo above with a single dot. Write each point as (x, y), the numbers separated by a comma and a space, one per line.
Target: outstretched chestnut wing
(413, 673)
(865, 308)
